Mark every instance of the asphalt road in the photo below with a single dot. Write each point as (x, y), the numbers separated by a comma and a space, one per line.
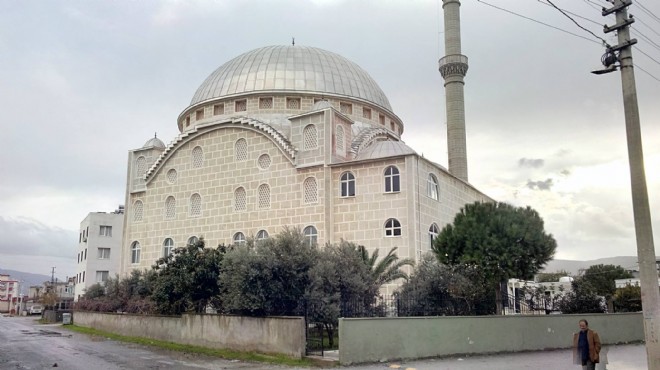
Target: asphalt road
(25, 344)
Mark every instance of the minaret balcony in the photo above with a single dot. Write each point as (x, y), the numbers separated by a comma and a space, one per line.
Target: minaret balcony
(452, 65)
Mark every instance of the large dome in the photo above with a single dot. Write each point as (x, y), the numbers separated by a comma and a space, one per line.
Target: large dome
(291, 68)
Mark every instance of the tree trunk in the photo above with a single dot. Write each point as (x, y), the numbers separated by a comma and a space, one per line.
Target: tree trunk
(498, 300)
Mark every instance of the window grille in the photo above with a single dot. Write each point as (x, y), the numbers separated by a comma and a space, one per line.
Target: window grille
(265, 103)
(381, 119)
(311, 235)
(347, 184)
(172, 176)
(339, 138)
(264, 161)
(264, 196)
(170, 208)
(199, 114)
(392, 227)
(240, 201)
(195, 205)
(240, 106)
(218, 109)
(197, 157)
(140, 166)
(310, 139)
(292, 103)
(241, 150)
(392, 181)
(138, 209)
(346, 108)
(310, 190)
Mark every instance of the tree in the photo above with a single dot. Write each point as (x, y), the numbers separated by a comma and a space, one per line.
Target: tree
(600, 278)
(385, 270)
(544, 277)
(187, 279)
(503, 241)
(628, 299)
(581, 299)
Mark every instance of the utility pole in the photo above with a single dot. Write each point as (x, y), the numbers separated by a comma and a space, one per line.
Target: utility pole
(641, 210)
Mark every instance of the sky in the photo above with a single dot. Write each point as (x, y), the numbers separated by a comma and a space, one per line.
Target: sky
(83, 82)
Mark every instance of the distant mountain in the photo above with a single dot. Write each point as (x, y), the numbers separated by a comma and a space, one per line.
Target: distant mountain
(27, 278)
(574, 267)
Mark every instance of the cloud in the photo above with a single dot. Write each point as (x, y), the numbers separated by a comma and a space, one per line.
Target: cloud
(529, 162)
(540, 185)
(26, 236)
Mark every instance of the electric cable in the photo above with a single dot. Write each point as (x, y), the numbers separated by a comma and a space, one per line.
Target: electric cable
(650, 13)
(647, 72)
(648, 56)
(577, 24)
(577, 15)
(646, 38)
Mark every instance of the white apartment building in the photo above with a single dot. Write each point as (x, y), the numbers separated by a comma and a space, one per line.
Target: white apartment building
(99, 249)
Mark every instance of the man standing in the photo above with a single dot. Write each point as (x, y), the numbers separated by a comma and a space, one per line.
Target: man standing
(586, 347)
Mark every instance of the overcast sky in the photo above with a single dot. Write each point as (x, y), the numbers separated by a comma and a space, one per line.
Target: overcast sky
(82, 82)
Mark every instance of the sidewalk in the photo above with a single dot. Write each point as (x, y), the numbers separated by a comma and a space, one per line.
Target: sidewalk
(619, 357)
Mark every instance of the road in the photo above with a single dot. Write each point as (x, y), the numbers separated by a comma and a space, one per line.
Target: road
(24, 344)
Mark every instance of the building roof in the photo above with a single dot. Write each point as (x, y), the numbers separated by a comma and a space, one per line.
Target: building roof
(291, 68)
(155, 142)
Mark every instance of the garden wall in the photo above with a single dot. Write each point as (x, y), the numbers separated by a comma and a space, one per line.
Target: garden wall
(285, 335)
(378, 339)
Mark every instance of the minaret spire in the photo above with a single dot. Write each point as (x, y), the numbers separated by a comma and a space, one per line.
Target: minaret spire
(453, 68)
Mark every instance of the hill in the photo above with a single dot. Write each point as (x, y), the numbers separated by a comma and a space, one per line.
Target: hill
(27, 278)
(574, 267)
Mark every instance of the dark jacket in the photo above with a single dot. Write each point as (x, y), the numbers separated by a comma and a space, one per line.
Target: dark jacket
(594, 347)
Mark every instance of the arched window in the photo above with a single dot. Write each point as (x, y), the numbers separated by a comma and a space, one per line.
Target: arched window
(197, 157)
(240, 200)
(392, 227)
(262, 235)
(239, 238)
(392, 183)
(264, 196)
(347, 184)
(432, 187)
(170, 208)
(241, 150)
(339, 138)
(192, 240)
(310, 191)
(168, 247)
(138, 210)
(172, 176)
(140, 166)
(135, 252)
(433, 233)
(310, 137)
(195, 205)
(264, 161)
(311, 235)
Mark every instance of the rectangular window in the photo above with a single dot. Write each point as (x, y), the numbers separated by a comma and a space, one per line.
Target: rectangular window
(266, 103)
(102, 276)
(292, 103)
(218, 109)
(199, 114)
(103, 253)
(381, 119)
(85, 254)
(346, 108)
(240, 105)
(187, 121)
(83, 279)
(366, 113)
(105, 230)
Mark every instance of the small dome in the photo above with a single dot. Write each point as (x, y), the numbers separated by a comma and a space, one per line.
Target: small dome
(291, 68)
(321, 104)
(155, 142)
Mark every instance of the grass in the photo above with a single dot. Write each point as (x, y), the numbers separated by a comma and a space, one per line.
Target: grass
(229, 354)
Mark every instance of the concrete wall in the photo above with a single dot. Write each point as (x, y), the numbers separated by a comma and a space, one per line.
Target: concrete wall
(376, 339)
(285, 335)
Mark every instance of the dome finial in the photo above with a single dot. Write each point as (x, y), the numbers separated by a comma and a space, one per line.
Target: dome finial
(293, 41)
(155, 136)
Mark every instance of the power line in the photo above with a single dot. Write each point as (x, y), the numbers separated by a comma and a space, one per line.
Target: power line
(647, 72)
(576, 23)
(577, 15)
(650, 13)
(650, 57)
(649, 27)
(646, 38)
(534, 20)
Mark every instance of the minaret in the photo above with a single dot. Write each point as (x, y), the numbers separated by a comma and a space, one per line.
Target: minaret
(453, 67)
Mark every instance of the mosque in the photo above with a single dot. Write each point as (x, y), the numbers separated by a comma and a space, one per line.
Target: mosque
(301, 137)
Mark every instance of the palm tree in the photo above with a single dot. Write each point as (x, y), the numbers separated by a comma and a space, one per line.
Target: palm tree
(387, 269)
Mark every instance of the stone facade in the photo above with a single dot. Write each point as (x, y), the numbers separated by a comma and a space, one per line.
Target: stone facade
(262, 169)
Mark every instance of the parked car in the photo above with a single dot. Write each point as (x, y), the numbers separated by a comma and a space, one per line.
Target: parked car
(35, 309)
